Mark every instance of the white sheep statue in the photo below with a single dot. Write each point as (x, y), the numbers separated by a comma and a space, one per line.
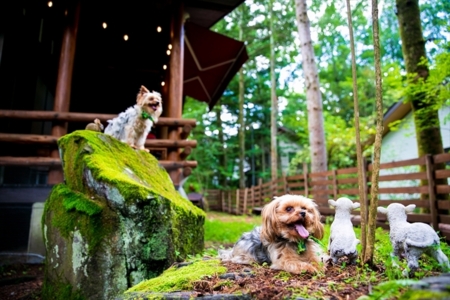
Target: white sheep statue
(411, 240)
(343, 240)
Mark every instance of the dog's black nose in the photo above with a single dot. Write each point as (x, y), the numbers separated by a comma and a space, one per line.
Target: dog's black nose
(302, 214)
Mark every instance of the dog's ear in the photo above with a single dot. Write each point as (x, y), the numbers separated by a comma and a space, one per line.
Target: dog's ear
(143, 90)
(141, 93)
(318, 226)
(269, 221)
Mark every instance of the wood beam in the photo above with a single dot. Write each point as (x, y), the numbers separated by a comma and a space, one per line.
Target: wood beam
(46, 115)
(53, 161)
(52, 140)
(174, 107)
(64, 80)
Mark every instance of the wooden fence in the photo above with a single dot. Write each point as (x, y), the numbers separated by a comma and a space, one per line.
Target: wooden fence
(399, 181)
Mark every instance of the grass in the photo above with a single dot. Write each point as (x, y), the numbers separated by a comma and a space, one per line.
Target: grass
(224, 229)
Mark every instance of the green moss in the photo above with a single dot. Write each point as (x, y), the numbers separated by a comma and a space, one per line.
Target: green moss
(116, 163)
(73, 210)
(60, 291)
(175, 279)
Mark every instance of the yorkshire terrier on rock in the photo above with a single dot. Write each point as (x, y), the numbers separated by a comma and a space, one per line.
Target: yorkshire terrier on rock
(133, 125)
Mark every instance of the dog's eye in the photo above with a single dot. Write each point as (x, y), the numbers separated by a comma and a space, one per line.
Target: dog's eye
(289, 208)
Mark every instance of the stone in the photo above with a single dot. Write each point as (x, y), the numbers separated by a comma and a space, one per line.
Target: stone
(115, 221)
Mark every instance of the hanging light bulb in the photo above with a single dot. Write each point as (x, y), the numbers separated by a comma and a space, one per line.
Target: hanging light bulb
(104, 25)
(125, 37)
(168, 52)
(170, 46)
(50, 3)
(158, 28)
(163, 83)
(165, 67)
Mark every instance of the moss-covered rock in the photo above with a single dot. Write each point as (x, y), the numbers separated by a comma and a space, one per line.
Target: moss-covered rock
(115, 221)
(175, 279)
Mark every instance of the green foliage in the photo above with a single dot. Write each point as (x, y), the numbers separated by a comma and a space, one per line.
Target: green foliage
(217, 152)
(435, 90)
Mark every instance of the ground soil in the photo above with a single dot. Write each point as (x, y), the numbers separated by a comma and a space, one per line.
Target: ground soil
(21, 281)
(25, 282)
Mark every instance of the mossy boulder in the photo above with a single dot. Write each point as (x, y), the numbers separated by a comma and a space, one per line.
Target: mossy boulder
(114, 222)
(181, 277)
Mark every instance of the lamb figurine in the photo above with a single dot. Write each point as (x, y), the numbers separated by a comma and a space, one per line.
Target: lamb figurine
(411, 240)
(343, 240)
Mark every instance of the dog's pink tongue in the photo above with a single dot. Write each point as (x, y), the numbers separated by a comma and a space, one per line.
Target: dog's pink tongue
(302, 231)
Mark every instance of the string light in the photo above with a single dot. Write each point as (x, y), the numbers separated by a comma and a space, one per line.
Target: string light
(163, 83)
(164, 67)
(125, 37)
(104, 25)
(50, 3)
(158, 28)
(168, 52)
(170, 46)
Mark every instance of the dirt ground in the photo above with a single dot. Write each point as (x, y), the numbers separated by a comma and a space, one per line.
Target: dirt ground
(21, 281)
(24, 282)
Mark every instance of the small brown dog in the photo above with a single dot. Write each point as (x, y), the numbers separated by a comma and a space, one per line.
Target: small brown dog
(133, 125)
(284, 239)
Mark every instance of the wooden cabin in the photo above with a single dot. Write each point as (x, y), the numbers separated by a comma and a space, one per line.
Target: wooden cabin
(64, 63)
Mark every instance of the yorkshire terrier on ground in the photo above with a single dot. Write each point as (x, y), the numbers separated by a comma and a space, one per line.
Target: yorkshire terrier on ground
(287, 240)
(133, 125)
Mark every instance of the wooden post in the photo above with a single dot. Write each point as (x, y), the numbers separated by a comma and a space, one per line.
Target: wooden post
(305, 178)
(222, 200)
(237, 201)
(335, 187)
(260, 200)
(244, 207)
(174, 105)
(64, 81)
(431, 191)
(229, 202)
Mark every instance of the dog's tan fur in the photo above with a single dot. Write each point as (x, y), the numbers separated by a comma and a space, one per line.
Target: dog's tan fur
(130, 127)
(280, 238)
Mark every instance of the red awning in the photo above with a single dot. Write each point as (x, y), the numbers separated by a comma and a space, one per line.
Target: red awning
(210, 62)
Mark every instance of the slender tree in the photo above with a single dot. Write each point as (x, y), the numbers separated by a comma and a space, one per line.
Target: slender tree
(313, 94)
(274, 100)
(241, 120)
(372, 215)
(359, 157)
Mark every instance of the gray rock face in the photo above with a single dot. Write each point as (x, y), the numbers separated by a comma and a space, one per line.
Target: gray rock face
(117, 220)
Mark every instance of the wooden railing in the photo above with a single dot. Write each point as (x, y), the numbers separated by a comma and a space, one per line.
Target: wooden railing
(399, 182)
(162, 145)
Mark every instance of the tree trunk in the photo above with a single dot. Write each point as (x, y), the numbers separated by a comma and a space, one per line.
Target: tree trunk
(360, 163)
(241, 113)
(426, 118)
(274, 101)
(318, 152)
(372, 216)
(313, 94)
(223, 156)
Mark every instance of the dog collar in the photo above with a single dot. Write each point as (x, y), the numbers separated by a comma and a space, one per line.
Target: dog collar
(145, 115)
(301, 245)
